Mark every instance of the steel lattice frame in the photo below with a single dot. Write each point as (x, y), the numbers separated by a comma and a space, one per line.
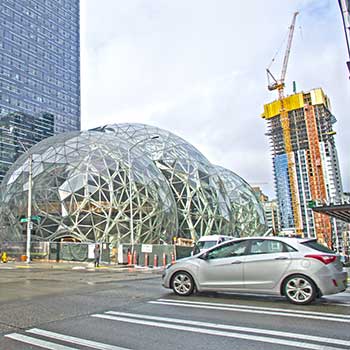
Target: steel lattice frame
(202, 203)
(81, 190)
(248, 213)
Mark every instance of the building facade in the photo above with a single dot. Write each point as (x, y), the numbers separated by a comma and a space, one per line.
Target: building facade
(271, 211)
(310, 173)
(40, 63)
(272, 215)
(21, 131)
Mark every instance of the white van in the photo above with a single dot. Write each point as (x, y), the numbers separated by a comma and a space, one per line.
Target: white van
(206, 242)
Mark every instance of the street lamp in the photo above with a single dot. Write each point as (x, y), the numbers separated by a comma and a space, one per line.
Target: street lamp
(30, 185)
(130, 187)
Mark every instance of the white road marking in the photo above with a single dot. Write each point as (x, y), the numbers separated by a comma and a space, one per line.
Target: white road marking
(303, 312)
(74, 340)
(235, 328)
(38, 342)
(333, 318)
(207, 331)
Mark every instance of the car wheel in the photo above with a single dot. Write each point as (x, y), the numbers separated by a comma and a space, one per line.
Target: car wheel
(182, 283)
(300, 289)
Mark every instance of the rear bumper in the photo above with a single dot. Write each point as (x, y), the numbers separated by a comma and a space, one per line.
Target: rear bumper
(332, 284)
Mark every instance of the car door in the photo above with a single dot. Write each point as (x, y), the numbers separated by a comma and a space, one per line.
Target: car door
(265, 264)
(222, 267)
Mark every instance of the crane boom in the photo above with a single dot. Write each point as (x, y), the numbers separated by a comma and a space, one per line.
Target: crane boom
(289, 45)
(279, 83)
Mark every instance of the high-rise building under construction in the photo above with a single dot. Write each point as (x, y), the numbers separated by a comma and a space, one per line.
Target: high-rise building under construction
(305, 161)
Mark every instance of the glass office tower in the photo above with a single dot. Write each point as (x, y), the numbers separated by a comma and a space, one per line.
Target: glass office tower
(40, 62)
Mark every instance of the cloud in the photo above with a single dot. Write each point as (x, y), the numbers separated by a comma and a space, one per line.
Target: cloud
(197, 68)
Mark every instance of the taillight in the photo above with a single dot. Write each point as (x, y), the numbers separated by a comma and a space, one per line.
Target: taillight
(326, 259)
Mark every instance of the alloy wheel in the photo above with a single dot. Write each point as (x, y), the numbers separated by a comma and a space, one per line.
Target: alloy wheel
(183, 284)
(300, 290)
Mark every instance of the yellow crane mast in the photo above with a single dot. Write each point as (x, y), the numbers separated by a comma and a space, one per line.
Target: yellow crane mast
(278, 84)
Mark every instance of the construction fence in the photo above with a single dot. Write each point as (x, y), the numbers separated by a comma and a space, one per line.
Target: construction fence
(139, 254)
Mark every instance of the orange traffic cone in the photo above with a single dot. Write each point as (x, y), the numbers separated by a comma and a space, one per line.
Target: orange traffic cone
(135, 258)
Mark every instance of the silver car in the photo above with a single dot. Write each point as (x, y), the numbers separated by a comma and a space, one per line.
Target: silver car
(300, 269)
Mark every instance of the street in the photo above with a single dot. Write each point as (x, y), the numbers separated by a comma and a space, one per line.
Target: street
(108, 309)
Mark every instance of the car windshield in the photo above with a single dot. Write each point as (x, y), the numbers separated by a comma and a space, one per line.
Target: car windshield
(318, 246)
(206, 244)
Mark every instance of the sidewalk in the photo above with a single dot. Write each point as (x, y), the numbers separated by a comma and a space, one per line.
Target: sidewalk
(22, 281)
(68, 265)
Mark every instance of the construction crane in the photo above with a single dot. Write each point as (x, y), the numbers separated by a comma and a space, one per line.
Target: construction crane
(278, 84)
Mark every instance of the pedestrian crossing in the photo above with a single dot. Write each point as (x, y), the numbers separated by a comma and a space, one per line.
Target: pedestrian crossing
(45, 339)
(61, 337)
(255, 310)
(246, 333)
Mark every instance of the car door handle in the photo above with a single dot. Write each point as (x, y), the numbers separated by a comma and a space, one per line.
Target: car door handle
(281, 258)
(237, 262)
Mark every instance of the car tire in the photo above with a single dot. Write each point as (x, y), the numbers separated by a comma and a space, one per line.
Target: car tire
(182, 283)
(299, 290)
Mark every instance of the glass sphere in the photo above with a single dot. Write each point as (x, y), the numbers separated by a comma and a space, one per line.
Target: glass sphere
(247, 212)
(87, 186)
(203, 206)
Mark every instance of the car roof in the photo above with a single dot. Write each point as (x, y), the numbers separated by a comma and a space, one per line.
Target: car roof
(213, 238)
(288, 240)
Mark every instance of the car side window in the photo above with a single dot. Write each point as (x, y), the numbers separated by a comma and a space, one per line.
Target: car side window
(262, 246)
(288, 248)
(229, 250)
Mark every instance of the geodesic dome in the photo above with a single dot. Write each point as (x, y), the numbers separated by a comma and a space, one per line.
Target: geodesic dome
(203, 206)
(81, 189)
(248, 213)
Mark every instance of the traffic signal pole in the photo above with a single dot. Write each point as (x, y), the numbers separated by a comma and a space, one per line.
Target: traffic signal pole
(29, 222)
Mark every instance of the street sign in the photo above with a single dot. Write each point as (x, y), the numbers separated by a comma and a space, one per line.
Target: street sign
(34, 218)
(146, 248)
(311, 204)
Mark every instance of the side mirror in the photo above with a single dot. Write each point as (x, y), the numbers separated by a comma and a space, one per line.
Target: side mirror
(204, 256)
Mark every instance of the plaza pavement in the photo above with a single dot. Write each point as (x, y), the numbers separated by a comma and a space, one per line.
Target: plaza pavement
(69, 265)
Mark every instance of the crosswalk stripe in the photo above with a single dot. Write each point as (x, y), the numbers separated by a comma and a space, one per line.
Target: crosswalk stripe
(257, 308)
(250, 310)
(74, 340)
(207, 331)
(234, 328)
(38, 342)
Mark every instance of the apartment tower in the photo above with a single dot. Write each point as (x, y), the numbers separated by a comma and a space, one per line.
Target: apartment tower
(310, 172)
(39, 73)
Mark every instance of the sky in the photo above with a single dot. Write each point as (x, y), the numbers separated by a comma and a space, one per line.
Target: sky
(197, 68)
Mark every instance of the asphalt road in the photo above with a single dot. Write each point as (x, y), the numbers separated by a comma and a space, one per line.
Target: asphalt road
(116, 310)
